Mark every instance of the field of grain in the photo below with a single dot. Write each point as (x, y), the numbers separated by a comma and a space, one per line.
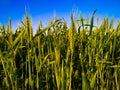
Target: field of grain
(80, 57)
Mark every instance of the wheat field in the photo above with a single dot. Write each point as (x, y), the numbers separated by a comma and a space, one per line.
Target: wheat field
(80, 57)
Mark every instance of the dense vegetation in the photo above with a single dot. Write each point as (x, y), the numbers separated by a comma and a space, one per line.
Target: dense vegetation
(82, 56)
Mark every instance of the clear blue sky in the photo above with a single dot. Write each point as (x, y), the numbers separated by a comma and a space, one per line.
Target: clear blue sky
(45, 9)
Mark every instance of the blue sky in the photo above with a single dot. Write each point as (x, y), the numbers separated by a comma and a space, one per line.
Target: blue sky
(45, 9)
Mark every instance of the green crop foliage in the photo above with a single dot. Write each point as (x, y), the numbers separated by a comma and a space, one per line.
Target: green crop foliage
(82, 56)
